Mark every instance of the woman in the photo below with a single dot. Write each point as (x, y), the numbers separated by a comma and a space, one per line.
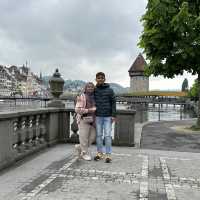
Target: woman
(85, 109)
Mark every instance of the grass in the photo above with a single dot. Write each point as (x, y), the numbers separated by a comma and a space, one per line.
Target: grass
(186, 129)
(194, 128)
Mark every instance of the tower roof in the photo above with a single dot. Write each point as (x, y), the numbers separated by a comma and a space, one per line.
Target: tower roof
(138, 65)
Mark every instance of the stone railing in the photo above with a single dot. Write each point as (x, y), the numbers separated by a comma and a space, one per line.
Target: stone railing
(25, 132)
(123, 129)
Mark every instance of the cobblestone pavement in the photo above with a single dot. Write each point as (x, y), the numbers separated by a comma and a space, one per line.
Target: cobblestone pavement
(134, 174)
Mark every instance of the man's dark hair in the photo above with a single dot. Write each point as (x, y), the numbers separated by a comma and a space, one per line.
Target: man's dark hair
(100, 74)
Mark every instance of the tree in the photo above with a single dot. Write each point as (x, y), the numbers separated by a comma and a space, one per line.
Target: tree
(171, 39)
(193, 92)
(185, 85)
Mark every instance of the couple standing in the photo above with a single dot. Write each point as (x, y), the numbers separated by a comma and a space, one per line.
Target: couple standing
(96, 110)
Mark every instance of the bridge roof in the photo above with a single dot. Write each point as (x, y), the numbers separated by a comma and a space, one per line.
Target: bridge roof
(159, 93)
(138, 65)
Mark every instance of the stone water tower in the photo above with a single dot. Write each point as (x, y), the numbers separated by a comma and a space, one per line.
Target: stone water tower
(138, 81)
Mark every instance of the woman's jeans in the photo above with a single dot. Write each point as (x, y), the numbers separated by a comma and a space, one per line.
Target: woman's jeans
(104, 127)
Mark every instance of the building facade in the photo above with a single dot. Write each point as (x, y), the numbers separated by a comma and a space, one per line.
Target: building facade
(7, 83)
(19, 80)
(138, 81)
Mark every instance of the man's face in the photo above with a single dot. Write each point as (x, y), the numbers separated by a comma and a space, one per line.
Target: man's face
(100, 80)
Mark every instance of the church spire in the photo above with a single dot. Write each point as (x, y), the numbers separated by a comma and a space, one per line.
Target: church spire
(40, 75)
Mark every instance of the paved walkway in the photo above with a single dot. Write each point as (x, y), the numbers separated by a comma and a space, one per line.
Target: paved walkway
(171, 135)
(142, 174)
(134, 174)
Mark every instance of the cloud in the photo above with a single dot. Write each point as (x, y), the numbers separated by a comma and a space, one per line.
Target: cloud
(79, 37)
(160, 83)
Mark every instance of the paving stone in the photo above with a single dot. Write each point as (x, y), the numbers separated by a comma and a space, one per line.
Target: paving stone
(133, 174)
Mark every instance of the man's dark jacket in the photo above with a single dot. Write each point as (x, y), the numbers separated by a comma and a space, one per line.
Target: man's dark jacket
(105, 101)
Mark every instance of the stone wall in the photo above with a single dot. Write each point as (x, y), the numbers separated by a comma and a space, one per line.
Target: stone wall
(139, 84)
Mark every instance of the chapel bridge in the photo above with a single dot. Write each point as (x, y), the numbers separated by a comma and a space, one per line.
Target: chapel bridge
(174, 98)
(151, 100)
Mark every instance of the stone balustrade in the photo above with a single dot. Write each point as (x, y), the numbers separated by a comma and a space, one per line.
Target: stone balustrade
(25, 132)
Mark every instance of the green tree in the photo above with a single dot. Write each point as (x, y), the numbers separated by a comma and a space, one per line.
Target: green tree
(193, 92)
(171, 39)
(185, 85)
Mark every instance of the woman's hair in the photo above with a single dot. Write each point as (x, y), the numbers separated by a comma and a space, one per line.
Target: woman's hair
(86, 85)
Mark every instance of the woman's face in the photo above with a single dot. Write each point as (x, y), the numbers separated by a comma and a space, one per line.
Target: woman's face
(90, 88)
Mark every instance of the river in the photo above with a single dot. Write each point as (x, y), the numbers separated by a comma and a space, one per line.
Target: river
(143, 114)
(151, 113)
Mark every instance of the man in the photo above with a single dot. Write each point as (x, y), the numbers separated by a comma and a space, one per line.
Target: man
(105, 115)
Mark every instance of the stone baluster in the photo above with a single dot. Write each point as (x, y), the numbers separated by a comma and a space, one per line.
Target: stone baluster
(30, 130)
(74, 128)
(17, 141)
(35, 142)
(37, 128)
(28, 135)
(43, 128)
(22, 134)
(15, 136)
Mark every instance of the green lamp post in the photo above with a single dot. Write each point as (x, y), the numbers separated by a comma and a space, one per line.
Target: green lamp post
(56, 88)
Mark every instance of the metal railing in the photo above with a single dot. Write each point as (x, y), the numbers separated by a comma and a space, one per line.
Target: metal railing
(21, 103)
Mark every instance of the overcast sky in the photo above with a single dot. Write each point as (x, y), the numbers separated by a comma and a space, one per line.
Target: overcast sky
(80, 37)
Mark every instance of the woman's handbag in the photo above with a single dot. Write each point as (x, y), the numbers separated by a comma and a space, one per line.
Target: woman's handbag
(88, 119)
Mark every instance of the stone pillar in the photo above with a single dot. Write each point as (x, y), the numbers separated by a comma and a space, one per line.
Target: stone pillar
(125, 128)
(62, 118)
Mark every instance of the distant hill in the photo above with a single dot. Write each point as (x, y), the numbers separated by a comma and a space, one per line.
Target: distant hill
(118, 88)
(77, 85)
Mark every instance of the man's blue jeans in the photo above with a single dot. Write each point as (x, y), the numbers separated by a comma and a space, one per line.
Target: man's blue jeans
(104, 127)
